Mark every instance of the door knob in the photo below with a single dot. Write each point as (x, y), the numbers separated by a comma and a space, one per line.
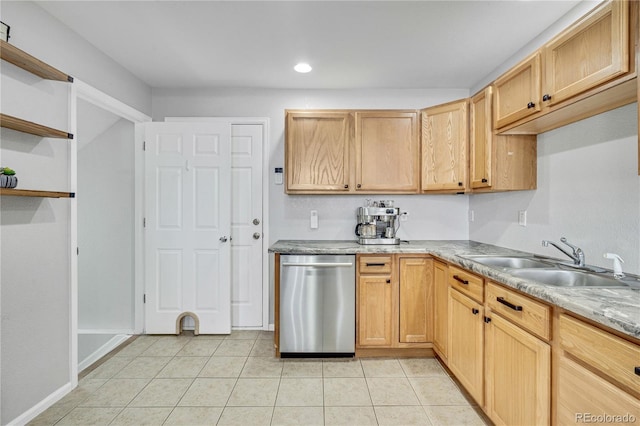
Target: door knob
(256, 235)
(223, 239)
(256, 221)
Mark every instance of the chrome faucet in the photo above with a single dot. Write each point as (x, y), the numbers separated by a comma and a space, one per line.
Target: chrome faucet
(577, 256)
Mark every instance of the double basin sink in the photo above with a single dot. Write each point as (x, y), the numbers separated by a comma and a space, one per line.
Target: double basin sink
(553, 272)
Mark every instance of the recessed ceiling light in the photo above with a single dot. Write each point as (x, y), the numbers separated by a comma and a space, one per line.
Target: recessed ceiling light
(302, 67)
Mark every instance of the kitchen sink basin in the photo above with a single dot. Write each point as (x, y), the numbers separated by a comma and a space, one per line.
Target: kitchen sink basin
(511, 262)
(564, 278)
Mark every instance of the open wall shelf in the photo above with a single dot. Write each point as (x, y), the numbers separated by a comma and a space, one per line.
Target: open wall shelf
(34, 193)
(25, 126)
(22, 59)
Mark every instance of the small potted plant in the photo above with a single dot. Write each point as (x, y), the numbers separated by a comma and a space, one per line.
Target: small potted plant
(8, 178)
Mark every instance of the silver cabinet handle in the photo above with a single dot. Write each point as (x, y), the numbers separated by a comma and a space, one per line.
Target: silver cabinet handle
(256, 235)
(223, 239)
(256, 221)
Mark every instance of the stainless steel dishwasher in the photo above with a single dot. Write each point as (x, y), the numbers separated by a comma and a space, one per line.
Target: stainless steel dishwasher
(317, 305)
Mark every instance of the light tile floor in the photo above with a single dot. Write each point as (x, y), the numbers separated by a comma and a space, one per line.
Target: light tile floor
(236, 380)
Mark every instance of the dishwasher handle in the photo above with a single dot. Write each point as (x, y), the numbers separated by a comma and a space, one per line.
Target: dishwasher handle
(319, 264)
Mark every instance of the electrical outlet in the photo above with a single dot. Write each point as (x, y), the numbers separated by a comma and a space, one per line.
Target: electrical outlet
(522, 218)
(313, 219)
(404, 216)
(472, 216)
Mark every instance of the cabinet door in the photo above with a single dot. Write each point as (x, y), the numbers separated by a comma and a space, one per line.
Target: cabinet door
(517, 92)
(466, 343)
(581, 393)
(444, 147)
(317, 146)
(480, 139)
(375, 310)
(587, 54)
(518, 375)
(387, 151)
(441, 304)
(416, 300)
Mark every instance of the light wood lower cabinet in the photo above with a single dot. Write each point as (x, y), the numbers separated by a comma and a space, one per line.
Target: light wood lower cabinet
(597, 375)
(375, 310)
(416, 299)
(441, 308)
(466, 343)
(584, 397)
(517, 375)
(395, 301)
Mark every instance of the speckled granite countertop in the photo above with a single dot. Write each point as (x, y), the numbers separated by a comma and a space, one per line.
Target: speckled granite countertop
(617, 308)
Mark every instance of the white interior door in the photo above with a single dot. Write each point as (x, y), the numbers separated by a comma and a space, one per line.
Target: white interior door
(188, 224)
(246, 225)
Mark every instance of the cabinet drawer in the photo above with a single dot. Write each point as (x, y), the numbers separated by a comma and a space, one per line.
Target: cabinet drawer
(609, 354)
(466, 282)
(519, 309)
(375, 264)
(582, 393)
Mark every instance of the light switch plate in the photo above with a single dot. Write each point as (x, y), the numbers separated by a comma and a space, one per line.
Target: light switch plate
(313, 219)
(522, 218)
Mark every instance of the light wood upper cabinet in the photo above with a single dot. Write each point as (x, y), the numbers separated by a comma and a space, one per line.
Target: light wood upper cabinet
(585, 70)
(317, 151)
(416, 299)
(593, 51)
(498, 162)
(481, 137)
(444, 147)
(517, 92)
(387, 150)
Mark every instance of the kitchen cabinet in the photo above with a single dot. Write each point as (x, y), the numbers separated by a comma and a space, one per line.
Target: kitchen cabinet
(348, 151)
(317, 151)
(387, 151)
(517, 92)
(35, 66)
(416, 299)
(585, 70)
(602, 366)
(445, 143)
(517, 363)
(587, 54)
(441, 308)
(465, 353)
(465, 339)
(498, 162)
(394, 302)
(375, 296)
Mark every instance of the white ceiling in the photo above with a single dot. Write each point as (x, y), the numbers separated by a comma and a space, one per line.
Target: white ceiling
(349, 44)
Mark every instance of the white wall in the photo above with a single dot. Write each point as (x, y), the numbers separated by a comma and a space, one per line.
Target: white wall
(35, 344)
(105, 224)
(37, 32)
(588, 191)
(431, 217)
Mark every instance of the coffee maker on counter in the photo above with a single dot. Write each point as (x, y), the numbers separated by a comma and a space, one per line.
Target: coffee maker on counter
(378, 223)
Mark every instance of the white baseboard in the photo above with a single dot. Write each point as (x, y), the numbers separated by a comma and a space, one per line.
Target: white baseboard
(113, 343)
(272, 327)
(37, 409)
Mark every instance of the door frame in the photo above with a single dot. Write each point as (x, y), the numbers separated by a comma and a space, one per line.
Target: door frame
(264, 122)
(88, 93)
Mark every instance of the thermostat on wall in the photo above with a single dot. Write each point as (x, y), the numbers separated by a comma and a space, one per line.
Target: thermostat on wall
(278, 178)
